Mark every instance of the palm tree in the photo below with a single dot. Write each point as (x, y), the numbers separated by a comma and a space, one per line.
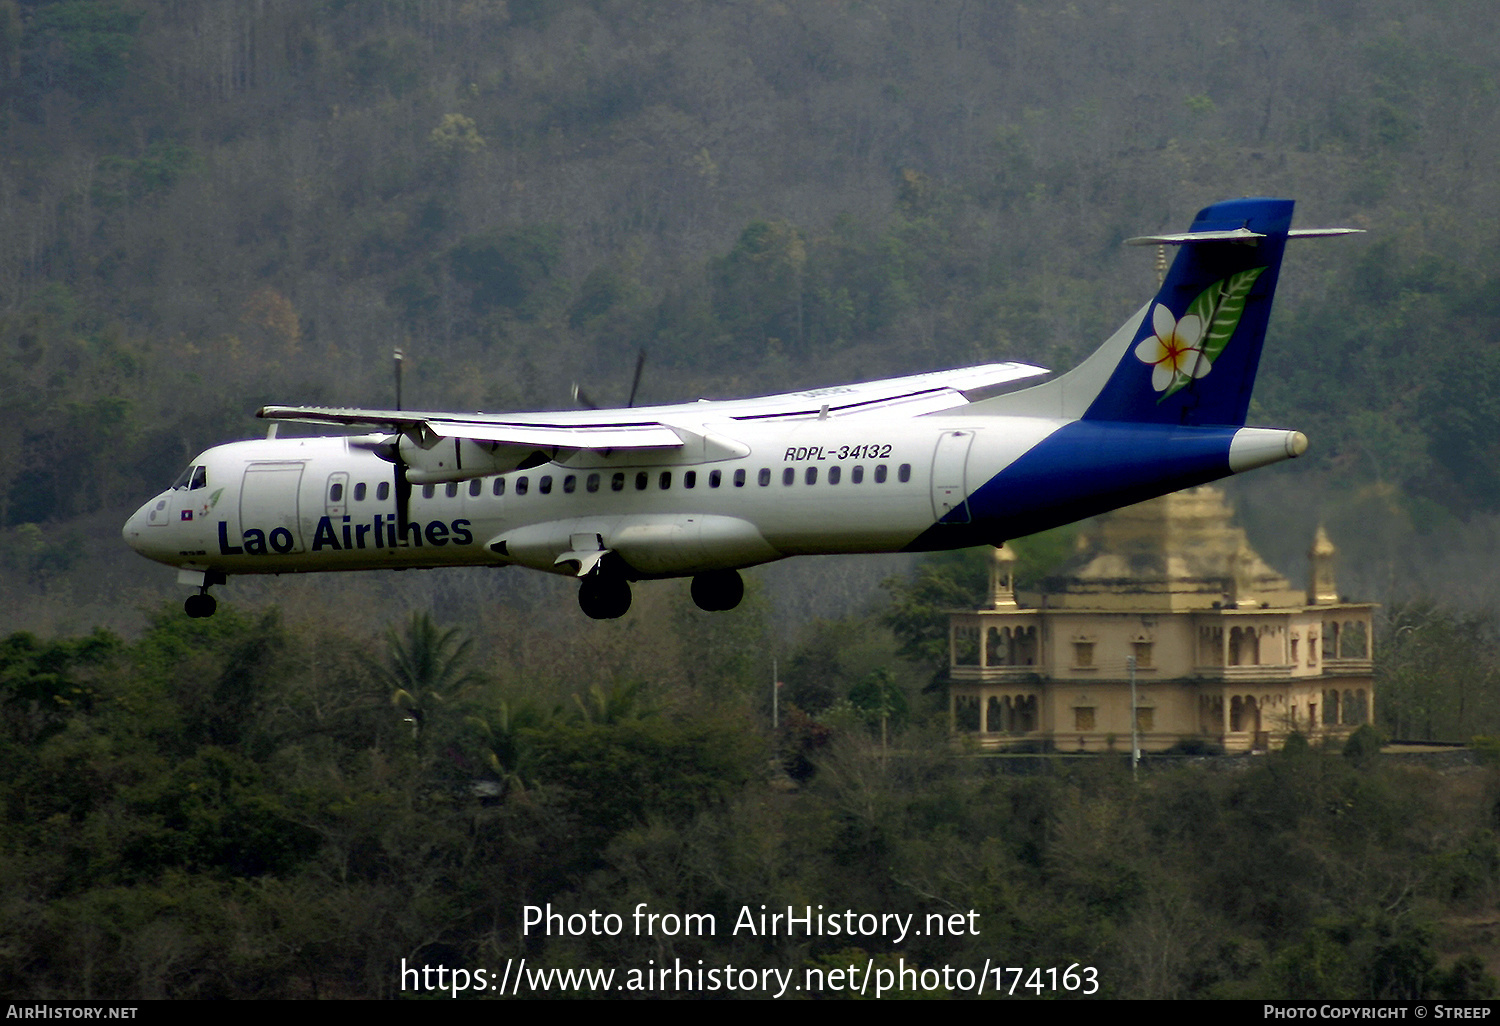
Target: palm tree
(428, 669)
(623, 701)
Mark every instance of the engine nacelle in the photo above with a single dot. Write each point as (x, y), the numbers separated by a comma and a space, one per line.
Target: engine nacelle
(459, 459)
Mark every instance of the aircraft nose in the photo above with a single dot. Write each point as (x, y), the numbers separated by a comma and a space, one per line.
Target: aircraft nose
(134, 531)
(131, 532)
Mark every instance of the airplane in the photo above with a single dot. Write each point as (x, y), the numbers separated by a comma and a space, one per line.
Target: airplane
(705, 489)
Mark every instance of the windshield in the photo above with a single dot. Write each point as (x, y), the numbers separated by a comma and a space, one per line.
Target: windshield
(191, 478)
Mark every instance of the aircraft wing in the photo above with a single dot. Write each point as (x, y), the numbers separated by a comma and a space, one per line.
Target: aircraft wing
(665, 427)
(912, 395)
(534, 431)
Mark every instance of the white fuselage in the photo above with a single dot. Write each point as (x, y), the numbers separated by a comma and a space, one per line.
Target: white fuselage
(281, 505)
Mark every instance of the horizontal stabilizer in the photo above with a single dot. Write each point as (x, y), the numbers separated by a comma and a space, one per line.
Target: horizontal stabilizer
(1235, 235)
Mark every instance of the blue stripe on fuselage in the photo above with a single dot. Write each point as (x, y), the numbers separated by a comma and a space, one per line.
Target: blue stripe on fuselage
(1083, 468)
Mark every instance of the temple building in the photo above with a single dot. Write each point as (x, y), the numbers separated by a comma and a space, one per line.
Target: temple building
(1223, 650)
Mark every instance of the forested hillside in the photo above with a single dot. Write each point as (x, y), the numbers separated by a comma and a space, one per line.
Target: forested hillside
(250, 806)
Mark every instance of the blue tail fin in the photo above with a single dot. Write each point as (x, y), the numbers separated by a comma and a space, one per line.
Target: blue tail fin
(1190, 355)
(1193, 359)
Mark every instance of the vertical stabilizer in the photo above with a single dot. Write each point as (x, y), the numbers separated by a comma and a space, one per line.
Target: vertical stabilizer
(1188, 357)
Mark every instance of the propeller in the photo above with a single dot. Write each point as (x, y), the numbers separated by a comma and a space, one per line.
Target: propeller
(587, 401)
(635, 384)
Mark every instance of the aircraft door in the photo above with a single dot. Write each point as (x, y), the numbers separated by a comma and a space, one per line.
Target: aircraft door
(950, 496)
(270, 502)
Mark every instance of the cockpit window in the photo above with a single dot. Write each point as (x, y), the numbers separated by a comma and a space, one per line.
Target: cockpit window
(192, 477)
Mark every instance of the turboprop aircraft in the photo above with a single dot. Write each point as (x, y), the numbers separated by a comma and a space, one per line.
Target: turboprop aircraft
(705, 489)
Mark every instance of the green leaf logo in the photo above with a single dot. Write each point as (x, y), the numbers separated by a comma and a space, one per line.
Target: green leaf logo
(1183, 349)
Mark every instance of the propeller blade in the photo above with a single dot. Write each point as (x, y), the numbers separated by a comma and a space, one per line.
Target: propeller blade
(640, 364)
(582, 398)
(403, 502)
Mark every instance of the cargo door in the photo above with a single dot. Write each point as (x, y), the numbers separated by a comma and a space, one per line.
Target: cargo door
(950, 496)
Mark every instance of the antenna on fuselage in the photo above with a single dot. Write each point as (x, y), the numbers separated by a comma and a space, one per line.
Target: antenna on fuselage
(399, 357)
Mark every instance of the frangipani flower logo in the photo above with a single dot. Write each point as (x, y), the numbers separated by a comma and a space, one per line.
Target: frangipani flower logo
(1173, 350)
(1184, 348)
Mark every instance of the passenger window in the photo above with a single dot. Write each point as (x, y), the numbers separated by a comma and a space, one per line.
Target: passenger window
(521, 486)
(545, 484)
(452, 489)
(428, 491)
(764, 477)
(739, 479)
(833, 475)
(641, 480)
(714, 477)
(880, 474)
(475, 487)
(383, 491)
(499, 488)
(788, 476)
(812, 475)
(690, 479)
(857, 475)
(336, 492)
(903, 474)
(569, 483)
(666, 480)
(359, 492)
(592, 484)
(617, 483)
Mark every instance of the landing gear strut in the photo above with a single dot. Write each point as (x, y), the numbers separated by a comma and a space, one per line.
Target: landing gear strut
(604, 596)
(718, 590)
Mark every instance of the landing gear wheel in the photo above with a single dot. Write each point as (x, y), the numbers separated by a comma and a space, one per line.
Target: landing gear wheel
(604, 598)
(718, 590)
(200, 605)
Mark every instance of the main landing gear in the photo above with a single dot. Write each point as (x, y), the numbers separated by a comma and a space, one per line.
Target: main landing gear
(718, 590)
(604, 596)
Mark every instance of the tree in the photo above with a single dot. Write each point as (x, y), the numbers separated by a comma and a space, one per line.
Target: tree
(879, 697)
(1438, 673)
(959, 579)
(428, 670)
(507, 269)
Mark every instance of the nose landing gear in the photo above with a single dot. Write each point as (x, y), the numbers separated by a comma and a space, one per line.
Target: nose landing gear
(200, 605)
(203, 604)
